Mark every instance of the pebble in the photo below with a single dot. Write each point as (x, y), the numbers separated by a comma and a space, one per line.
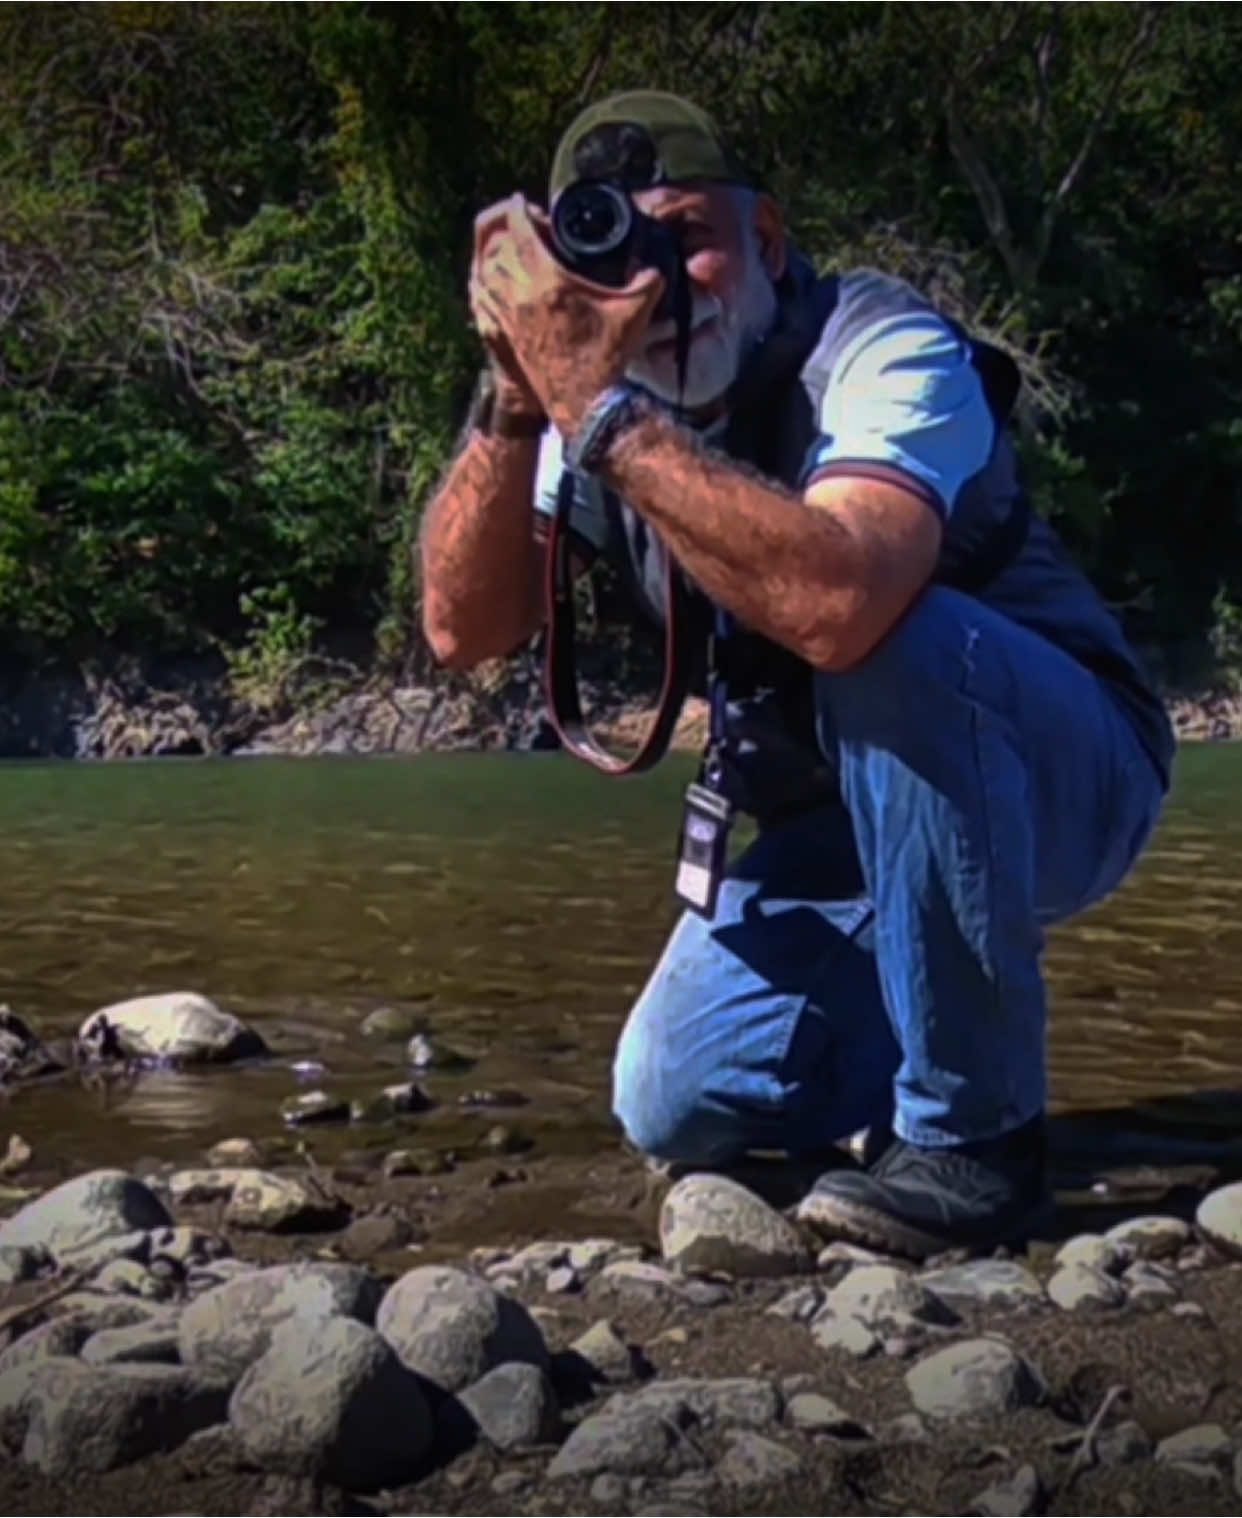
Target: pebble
(1080, 1288)
(1095, 1252)
(1152, 1238)
(1148, 1287)
(976, 1378)
(642, 1278)
(607, 1353)
(427, 1053)
(395, 1023)
(234, 1152)
(832, 1332)
(1200, 1444)
(1020, 1495)
(1123, 1444)
(374, 1233)
(799, 1305)
(277, 1203)
(563, 1279)
(1000, 1284)
(308, 1107)
(753, 1463)
(710, 1222)
(819, 1414)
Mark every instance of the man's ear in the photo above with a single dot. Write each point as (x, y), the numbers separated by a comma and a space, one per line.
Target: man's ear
(773, 243)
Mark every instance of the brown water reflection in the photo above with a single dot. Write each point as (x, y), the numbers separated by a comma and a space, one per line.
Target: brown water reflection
(516, 902)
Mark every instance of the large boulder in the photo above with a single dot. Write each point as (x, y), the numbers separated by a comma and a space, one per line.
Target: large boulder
(84, 1211)
(453, 1328)
(229, 1327)
(84, 1418)
(177, 1027)
(331, 1399)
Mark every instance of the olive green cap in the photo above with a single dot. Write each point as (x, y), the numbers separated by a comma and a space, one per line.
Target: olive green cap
(682, 143)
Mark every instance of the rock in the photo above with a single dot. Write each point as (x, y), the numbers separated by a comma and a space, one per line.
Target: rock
(412, 1162)
(305, 1108)
(1147, 1287)
(799, 1305)
(236, 1153)
(832, 1332)
(514, 1406)
(506, 1483)
(1122, 1444)
(1201, 1444)
(134, 1245)
(841, 1253)
(401, 1100)
(229, 1327)
(197, 1188)
(501, 1139)
(976, 1378)
(177, 1026)
(190, 1247)
(95, 1311)
(210, 1452)
(1095, 1252)
(818, 1414)
(884, 1298)
(16, 1156)
(752, 1463)
(82, 1211)
(1079, 1288)
(624, 1441)
(1002, 1284)
(1151, 1238)
(607, 1354)
(394, 1023)
(375, 1233)
(132, 1278)
(709, 1222)
(453, 1328)
(714, 1402)
(58, 1336)
(90, 1418)
(153, 1342)
(493, 1096)
(1187, 1310)
(22, 1055)
(610, 1491)
(330, 1399)
(906, 1428)
(641, 1278)
(561, 1280)
(278, 1204)
(20, 1263)
(1218, 1217)
(426, 1053)
(1022, 1494)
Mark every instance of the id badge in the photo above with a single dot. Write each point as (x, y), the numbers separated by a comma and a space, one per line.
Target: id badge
(704, 844)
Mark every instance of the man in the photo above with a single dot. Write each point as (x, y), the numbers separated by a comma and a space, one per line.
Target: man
(944, 737)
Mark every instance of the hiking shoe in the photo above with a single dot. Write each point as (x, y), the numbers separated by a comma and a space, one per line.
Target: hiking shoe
(918, 1202)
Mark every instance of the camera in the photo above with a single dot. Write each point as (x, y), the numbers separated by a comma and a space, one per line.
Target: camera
(599, 233)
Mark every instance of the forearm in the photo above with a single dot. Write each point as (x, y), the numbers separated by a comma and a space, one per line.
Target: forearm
(785, 569)
(480, 565)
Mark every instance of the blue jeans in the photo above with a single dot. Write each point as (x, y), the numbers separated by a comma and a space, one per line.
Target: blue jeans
(884, 952)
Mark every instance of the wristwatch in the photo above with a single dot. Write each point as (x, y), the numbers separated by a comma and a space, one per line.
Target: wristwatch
(617, 408)
(489, 416)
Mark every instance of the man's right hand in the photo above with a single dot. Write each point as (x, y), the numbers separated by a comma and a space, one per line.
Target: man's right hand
(513, 391)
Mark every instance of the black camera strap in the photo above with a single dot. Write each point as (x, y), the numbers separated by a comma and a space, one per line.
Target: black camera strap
(560, 664)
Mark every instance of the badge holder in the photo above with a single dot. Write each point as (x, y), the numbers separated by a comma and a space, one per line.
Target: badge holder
(704, 846)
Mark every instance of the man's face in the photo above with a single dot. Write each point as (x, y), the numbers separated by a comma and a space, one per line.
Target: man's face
(733, 294)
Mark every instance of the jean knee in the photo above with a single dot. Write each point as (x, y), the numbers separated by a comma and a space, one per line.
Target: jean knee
(664, 1115)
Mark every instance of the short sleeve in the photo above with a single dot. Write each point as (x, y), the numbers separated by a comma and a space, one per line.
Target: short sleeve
(588, 518)
(904, 401)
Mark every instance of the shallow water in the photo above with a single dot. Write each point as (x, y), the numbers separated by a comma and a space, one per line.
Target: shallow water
(516, 903)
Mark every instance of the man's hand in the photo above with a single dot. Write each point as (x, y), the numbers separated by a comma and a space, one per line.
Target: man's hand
(570, 338)
(513, 389)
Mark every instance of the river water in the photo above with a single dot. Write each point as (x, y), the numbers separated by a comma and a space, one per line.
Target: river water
(514, 904)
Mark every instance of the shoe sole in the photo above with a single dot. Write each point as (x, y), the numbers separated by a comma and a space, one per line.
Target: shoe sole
(856, 1223)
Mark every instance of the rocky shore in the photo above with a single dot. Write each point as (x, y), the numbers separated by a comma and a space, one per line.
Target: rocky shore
(243, 1335)
(190, 710)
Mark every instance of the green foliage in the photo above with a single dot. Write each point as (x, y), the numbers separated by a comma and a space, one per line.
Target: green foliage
(233, 345)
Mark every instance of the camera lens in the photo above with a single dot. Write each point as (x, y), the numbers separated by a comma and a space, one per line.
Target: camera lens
(592, 219)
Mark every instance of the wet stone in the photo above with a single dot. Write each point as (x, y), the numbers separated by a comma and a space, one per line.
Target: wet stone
(394, 1023)
(308, 1107)
(488, 1096)
(427, 1053)
(174, 1027)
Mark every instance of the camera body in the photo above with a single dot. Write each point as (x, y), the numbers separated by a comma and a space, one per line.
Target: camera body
(599, 233)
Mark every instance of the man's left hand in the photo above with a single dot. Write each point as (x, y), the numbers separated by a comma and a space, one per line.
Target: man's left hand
(573, 338)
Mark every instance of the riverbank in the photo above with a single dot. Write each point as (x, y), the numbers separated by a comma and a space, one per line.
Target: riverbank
(168, 1351)
(193, 709)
